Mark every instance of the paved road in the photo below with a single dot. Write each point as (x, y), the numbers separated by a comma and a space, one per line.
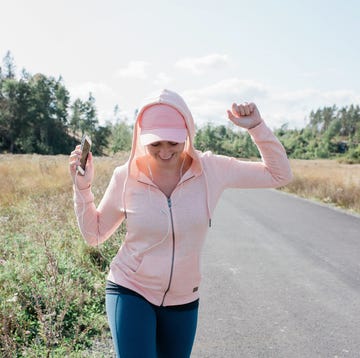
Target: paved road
(281, 278)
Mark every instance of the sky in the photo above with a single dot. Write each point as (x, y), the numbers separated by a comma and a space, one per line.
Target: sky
(287, 56)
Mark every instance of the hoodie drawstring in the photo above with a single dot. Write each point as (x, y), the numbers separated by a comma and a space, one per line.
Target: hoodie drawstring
(123, 195)
(207, 197)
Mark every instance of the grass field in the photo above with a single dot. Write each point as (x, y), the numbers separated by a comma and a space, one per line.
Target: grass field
(327, 181)
(52, 283)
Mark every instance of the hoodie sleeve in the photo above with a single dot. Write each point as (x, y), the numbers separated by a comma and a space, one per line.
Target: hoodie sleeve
(273, 171)
(98, 224)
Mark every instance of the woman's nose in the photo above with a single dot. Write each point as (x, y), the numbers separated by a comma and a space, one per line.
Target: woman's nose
(165, 152)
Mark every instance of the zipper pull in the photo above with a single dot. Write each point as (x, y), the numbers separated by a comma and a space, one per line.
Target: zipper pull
(169, 202)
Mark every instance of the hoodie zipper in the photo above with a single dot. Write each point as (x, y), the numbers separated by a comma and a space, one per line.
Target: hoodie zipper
(173, 250)
(173, 244)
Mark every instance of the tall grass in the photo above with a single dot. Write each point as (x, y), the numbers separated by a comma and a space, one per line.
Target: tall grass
(51, 282)
(328, 181)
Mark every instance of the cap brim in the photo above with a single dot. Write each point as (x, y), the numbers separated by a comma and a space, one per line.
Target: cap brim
(157, 135)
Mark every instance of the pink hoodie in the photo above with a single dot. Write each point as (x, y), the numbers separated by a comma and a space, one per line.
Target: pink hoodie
(160, 255)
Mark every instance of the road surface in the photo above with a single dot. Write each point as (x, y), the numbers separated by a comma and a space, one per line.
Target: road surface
(281, 278)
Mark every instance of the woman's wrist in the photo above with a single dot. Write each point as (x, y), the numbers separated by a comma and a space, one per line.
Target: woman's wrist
(256, 124)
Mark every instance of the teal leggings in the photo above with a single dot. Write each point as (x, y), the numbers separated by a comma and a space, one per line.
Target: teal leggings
(142, 330)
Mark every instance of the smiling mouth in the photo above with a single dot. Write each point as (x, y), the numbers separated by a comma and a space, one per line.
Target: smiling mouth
(167, 158)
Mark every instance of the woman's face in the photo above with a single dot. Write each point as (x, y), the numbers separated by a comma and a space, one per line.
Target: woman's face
(166, 153)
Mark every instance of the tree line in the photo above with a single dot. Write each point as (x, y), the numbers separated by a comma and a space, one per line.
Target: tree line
(330, 132)
(36, 116)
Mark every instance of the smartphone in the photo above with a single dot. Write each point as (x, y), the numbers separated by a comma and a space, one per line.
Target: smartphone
(85, 150)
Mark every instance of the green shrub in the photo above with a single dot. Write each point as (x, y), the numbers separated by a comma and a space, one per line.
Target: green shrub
(51, 281)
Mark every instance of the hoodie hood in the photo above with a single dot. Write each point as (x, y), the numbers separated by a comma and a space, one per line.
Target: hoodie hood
(176, 101)
(138, 150)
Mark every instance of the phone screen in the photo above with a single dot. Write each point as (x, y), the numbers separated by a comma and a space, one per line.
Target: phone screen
(85, 149)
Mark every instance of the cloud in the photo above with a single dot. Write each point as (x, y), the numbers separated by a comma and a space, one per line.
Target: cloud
(199, 65)
(231, 89)
(294, 107)
(134, 69)
(300, 103)
(82, 90)
(209, 103)
(162, 79)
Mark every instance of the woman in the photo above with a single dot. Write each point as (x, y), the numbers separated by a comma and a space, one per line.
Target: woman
(167, 192)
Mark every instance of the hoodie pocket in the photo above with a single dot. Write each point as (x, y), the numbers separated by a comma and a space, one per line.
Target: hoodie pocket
(152, 273)
(186, 275)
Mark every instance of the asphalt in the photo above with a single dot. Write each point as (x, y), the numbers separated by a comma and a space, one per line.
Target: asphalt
(281, 278)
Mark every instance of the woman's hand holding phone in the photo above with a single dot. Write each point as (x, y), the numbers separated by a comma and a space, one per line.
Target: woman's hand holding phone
(81, 181)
